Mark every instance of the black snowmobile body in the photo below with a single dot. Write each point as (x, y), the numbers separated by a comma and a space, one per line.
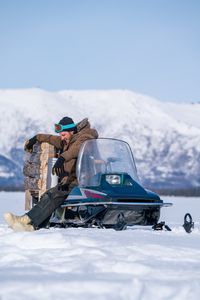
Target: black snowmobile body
(109, 194)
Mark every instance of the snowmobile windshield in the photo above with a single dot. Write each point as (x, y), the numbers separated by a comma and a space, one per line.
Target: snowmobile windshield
(104, 156)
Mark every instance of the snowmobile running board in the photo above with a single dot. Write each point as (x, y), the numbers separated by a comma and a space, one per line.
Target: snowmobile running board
(118, 203)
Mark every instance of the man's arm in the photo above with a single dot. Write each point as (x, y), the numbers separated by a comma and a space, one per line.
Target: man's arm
(43, 138)
(51, 139)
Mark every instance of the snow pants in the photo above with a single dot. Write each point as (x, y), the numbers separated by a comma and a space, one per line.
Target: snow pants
(50, 201)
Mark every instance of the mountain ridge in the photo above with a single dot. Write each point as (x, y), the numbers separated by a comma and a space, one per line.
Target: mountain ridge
(164, 137)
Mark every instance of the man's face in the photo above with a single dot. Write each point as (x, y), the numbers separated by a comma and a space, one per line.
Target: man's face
(65, 135)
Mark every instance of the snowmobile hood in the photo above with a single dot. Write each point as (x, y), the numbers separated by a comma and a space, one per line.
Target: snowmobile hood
(152, 195)
(135, 191)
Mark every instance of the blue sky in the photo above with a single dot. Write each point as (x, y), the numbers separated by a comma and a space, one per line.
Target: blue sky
(147, 46)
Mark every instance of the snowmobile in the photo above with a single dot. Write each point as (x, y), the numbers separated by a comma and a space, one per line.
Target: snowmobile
(109, 193)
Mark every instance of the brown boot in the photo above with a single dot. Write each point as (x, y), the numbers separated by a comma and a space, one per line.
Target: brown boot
(18, 223)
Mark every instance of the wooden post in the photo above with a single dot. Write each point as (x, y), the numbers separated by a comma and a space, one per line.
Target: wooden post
(36, 171)
(28, 199)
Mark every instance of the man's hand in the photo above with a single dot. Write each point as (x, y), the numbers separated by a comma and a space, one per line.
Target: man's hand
(58, 167)
(30, 143)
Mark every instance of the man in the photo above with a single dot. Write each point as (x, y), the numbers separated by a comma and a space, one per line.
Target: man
(69, 141)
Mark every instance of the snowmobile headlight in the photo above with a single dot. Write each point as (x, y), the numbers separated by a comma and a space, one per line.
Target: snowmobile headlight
(113, 179)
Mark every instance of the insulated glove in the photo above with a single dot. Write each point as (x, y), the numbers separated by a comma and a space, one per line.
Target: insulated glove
(30, 143)
(58, 167)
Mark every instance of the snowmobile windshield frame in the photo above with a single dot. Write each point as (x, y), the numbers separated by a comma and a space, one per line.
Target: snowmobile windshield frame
(104, 156)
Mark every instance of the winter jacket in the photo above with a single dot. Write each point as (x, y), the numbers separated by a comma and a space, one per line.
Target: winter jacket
(70, 149)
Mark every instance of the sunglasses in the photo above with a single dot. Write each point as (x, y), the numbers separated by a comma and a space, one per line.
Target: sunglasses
(60, 127)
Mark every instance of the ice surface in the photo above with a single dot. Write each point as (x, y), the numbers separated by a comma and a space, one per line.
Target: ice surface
(80, 264)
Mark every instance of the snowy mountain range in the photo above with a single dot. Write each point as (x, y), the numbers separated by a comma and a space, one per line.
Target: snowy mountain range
(164, 137)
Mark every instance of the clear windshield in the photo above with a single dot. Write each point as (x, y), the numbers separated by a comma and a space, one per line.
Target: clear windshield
(102, 156)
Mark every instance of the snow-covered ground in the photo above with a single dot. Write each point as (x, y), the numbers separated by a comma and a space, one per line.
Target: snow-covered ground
(101, 264)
